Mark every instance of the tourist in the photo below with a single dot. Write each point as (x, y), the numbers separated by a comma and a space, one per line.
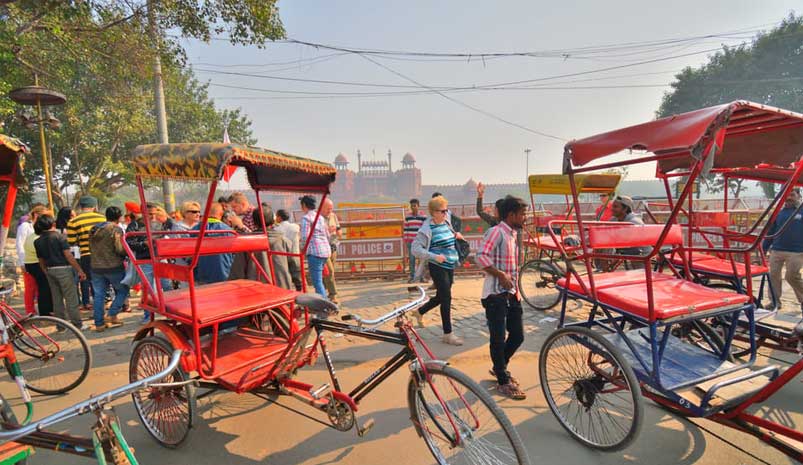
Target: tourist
(454, 220)
(317, 246)
(107, 258)
(333, 227)
(604, 211)
(435, 245)
(498, 256)
(412, 223)
(622, 211)
(191, 215)
(78, 235)
(278, 243)
(138, 243)
(60, 267)
(24, 231)
(224, 202)
(787, 248)
(244, 221)
(39, 288)
(291, 231)
(213, 268)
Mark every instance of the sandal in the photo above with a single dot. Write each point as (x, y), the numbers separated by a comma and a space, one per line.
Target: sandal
(512, 391)
(509, 377)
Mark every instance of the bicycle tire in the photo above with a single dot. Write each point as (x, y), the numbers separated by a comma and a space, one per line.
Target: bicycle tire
(54, 355)
(422, 413)
(157, 352)
(588, 385)
(537, 284)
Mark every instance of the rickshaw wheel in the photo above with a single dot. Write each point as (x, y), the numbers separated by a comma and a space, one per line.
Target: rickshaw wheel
(486, 434)
(538, 283)
(167, 413)
(7, 415)
(591, 389)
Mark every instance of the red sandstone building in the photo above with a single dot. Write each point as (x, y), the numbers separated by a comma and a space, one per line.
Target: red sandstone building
(375, 180)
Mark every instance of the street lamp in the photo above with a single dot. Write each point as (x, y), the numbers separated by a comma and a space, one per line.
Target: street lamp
(527, 157)
(39, 96)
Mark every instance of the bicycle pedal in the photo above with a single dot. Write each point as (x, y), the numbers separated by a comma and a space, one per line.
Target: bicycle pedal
(322, 391)
(366, 427)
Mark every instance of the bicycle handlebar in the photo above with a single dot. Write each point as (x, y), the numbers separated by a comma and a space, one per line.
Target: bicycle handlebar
(392, 314)
(92, 404)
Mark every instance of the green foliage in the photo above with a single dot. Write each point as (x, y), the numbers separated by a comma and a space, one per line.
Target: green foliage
(98, 55)
(769, 70)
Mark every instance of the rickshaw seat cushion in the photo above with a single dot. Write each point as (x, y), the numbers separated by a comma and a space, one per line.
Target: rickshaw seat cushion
(628, 235)
(672, 297)
(227, 300)
(212, 245)
(719, 266)
(614, 278)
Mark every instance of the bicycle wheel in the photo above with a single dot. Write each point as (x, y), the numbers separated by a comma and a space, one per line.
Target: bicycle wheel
(53, 354)
(538, 284)
(166, 412)
(590, 389)
(485, 433)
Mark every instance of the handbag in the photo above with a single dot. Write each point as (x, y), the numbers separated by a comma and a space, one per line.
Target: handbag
(463, 249)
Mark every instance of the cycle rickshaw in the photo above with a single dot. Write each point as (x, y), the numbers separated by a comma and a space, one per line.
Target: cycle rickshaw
(251, 336)
(538, 276)
(594, 373)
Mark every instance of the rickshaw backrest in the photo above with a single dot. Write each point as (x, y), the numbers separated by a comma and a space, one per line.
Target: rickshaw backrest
(185, 247)
(629, 235)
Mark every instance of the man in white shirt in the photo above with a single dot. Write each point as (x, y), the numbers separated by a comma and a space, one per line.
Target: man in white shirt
(291, 231)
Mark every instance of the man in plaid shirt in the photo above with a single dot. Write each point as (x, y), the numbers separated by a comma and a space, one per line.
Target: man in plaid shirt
(498, 256)
(317, 247)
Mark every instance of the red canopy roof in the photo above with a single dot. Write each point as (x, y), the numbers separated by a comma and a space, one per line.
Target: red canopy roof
(774, 174)
(754, 134)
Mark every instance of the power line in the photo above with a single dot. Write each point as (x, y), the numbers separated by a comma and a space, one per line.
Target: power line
(463, 104)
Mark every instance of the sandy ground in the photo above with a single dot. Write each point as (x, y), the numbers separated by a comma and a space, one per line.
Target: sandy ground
(244, 429)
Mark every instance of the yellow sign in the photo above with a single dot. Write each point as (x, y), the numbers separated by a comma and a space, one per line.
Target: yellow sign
(558, 184)
(373, 232)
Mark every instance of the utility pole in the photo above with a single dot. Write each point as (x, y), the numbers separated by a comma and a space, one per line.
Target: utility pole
(159, 100)
(527, 173)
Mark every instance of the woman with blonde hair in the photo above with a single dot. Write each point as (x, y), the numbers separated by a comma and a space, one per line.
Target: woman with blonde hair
(435, 245)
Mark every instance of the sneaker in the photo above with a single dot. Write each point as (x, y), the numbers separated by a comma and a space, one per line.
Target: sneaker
(510, 377)
(83, 326)
(99, 329)
(419, 318)
(512, 391)
(452, 340)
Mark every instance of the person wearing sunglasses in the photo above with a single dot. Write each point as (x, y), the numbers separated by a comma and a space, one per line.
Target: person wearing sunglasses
(435, 245)
(191, 212)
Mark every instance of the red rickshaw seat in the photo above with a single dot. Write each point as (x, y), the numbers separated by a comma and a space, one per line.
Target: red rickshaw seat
(614, 278)
(708, 264)
(672, 297)
(227, 300)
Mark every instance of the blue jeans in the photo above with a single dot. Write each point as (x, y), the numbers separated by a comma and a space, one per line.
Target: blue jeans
(316, 265)
(147, 270)
(100, 283)
(412, 260)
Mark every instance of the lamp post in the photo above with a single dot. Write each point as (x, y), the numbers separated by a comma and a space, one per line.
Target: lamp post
(38, 97)
(527, 157)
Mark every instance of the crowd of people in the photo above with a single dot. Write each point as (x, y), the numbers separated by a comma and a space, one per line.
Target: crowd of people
(76, 262)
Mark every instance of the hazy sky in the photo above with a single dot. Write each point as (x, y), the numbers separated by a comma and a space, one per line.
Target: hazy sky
(453, 143)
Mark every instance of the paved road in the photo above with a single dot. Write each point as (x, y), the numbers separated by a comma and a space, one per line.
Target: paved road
(243, 429)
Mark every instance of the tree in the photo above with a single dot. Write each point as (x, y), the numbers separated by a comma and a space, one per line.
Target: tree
(768, 70)
(110, 103)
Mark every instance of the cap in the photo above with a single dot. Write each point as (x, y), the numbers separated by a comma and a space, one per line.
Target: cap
(625, 200)
(133, 207)
(88, 201)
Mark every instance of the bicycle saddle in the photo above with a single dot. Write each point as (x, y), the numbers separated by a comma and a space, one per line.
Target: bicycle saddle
(317, 304)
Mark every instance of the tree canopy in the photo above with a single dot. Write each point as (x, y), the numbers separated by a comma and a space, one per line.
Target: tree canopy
(98, 55)
(768, 70)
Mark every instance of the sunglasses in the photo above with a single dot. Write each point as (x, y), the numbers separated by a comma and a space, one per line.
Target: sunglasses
(192, 211)
(442, 211)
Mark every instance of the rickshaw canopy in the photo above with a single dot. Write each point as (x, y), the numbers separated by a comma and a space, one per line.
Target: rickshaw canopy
(266, 169)
(586, 183)
(12, 158)
(746, 134)
(773, 174)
